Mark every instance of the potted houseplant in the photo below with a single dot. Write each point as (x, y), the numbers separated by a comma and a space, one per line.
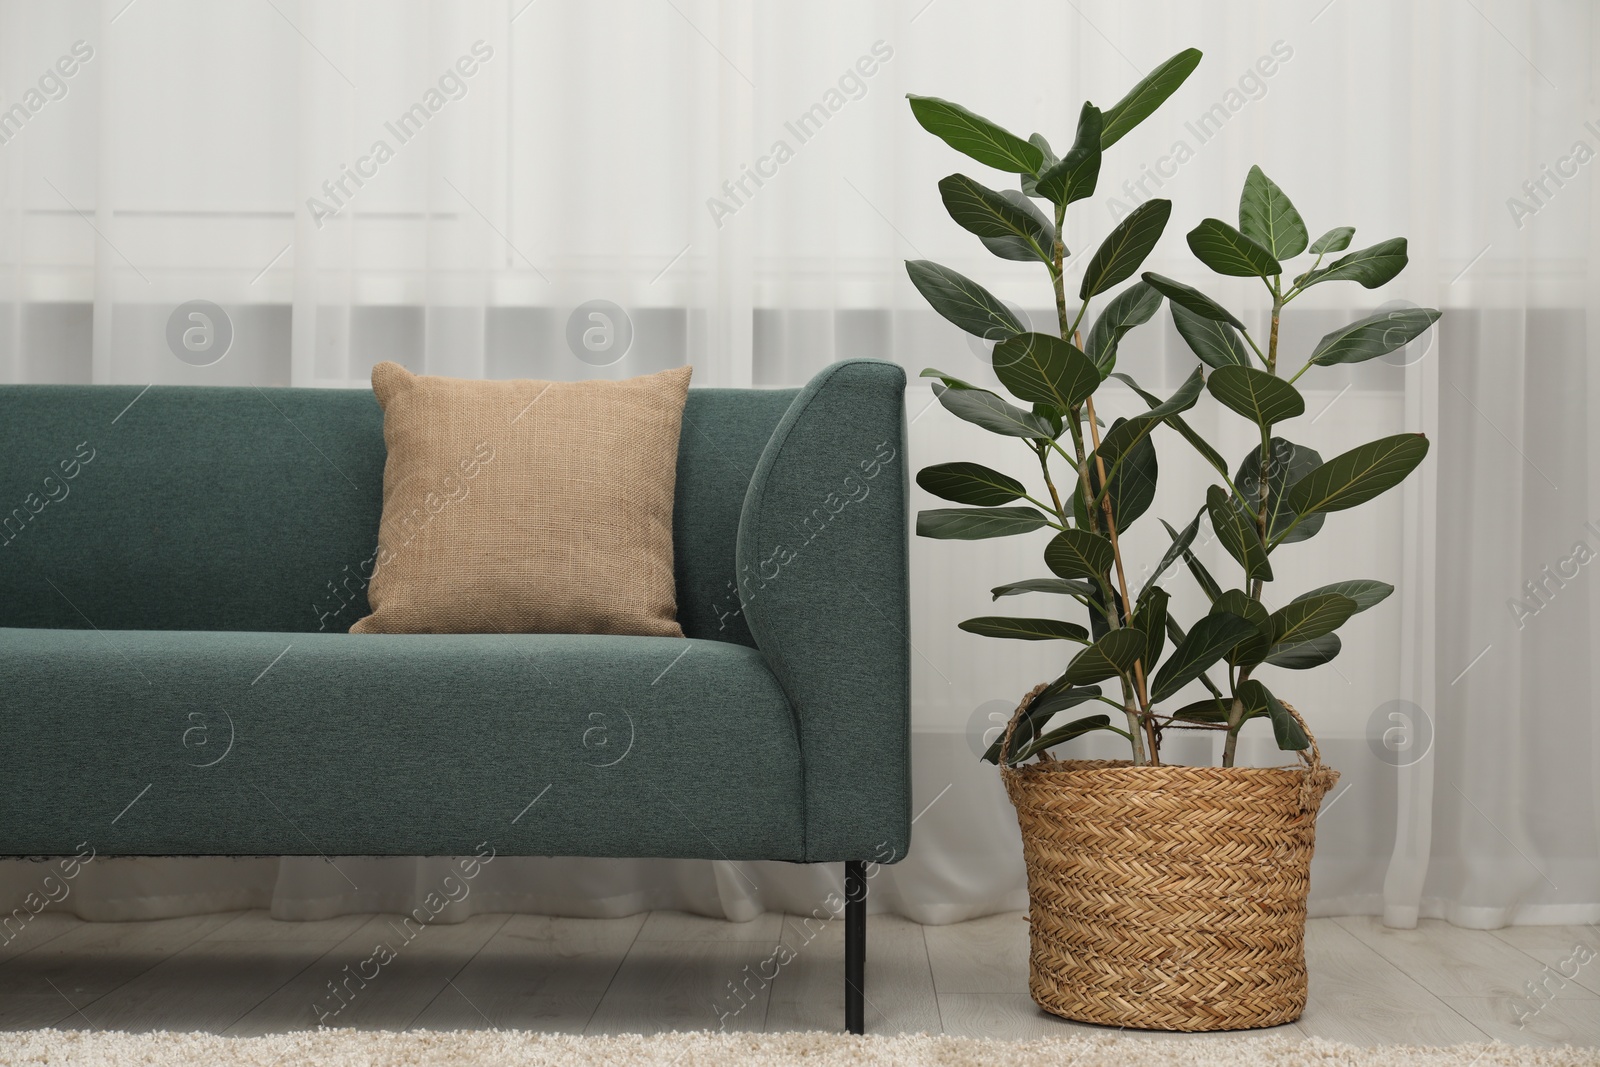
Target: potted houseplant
(1161, 896)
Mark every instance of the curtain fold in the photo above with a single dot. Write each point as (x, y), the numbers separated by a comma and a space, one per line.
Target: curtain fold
(506, 188)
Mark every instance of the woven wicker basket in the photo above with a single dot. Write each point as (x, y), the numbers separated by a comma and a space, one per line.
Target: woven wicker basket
(1168, 897)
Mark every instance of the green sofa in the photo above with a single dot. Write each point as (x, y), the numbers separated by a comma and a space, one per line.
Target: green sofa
(179, 567)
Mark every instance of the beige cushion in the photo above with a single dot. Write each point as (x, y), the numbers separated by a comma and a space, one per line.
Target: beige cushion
(526, 506)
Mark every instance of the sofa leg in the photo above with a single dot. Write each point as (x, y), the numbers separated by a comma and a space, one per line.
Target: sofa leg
(855, 945)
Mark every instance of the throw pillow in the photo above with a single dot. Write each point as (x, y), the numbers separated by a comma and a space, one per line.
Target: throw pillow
(526, 506)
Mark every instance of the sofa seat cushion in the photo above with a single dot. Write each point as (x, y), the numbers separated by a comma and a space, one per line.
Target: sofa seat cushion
(160, 742)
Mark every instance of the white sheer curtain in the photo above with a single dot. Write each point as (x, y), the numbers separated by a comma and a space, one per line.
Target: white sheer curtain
(739, 183)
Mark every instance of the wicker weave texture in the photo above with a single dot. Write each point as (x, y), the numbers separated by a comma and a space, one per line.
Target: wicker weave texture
(1169, 897)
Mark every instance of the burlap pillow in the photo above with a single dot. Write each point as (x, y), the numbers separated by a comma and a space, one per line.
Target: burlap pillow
(526, 506)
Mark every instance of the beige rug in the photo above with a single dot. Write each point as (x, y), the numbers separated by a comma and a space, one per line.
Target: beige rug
(481, 1048)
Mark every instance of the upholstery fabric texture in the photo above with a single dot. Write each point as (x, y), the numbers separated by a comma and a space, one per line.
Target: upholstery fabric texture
(526, 506)
(173, 742)
(824, 574)
(257, 509)
(180, 564)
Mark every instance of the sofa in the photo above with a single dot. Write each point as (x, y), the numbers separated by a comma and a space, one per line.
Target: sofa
(179, 567)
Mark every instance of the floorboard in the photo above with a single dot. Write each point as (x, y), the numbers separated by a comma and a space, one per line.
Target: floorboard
(689, 985)
(1358, 996)
(1572, 953)
(1453, 962)
(382, 977)
(536, 973)
(245, 973)
(808, 993)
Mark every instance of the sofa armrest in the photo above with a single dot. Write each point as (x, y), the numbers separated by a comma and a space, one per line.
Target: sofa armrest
(822, 573)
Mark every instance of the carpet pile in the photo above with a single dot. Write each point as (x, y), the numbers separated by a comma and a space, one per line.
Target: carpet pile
(492, 1048)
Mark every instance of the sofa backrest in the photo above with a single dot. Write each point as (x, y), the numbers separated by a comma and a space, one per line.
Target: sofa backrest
(219, 508)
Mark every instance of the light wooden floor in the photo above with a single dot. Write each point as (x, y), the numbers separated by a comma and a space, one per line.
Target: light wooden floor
(243, 973)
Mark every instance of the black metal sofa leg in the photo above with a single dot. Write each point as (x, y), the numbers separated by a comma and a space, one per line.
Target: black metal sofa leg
(855, 945)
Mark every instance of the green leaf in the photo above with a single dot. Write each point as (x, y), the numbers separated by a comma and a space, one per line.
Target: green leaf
(1204, 645)
(1045, 585)
(991, 214)
(1191, 298)
(973, 524)
(983, 408)
(1078, 554)
(1285, 730)
(1059, 697)
(1061, 735)
(1238, 534)
(970, 483)
(1201, 445)
(1214, 341)
(983, 211)
(962, 300)
(1268, 218)
(1075, 175)
(1335, 240)
(1260, 397)
(1127, 433)
(1364, 591)
(1180, 545)
(1125, 247)
(1018, 248)
(1375, 335)
(1043, 369)
(1356, 476)
(1113, 654)
(1048, 160)
(1208, 710)
(975, 135)
(1252, 649)
(1238, 602)
(1289, 735)
(1151, 620)
(1227, 251)
(1144, 98)
(1253, 699)
(1371, 266)
(1308, 619)
(1208, 585)
(1133, 478)
(1024, 629)
(1049, 414)
(1307, 654)
(949, 380)
(1182, 399)
(1123, 447)
(1129, 308)
(1175, 632)
(1061, 694)
(1287, 462)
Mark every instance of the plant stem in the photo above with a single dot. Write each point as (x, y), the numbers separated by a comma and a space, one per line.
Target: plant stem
(1134, 735)
(1235, 714)
(1057, 252)
(1263, 495)
(1075, 323)
(1044, 468)
(1113, 618)
(1272, 338)
(1143, 716)
(1257, 348)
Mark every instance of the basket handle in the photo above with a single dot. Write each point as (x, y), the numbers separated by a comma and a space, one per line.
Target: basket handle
(1016, 717)
(1315, 783)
